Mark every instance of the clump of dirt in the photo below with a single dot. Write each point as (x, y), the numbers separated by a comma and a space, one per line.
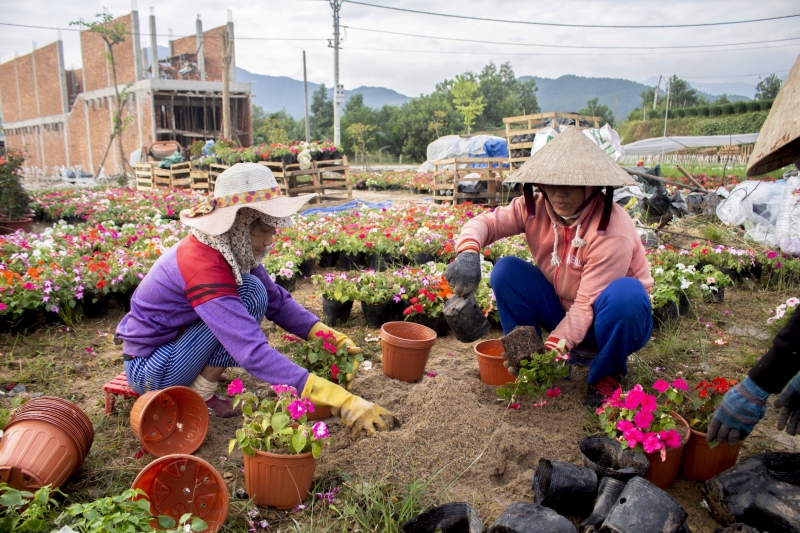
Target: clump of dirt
(519, 345)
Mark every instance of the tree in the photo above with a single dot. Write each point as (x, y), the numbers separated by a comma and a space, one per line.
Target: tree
(722, 100)
(278, 127)
(464, 100)
(595, 109)
(768, 88)
(681, 94)
(504, 95)
(361, 134)
(112, 33)
(437, 122)
(321, 121)
(411, 130)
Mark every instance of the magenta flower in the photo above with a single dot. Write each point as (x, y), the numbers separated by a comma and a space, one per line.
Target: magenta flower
(643, 419)
(671, 438)
(651, 443)
(513, 406)
(320, 430)
(2, 306)
(772, 255)
(624, 425)
(661, 385)
(633, 399)
(235, 387)
(633, 437)
(432, 374)
(649, 403)
(680, 385)
(296, 409)
(279, 389)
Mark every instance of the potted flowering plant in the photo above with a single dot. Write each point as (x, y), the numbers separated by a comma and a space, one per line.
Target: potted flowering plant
(282, 268)
(703, 460)
(14, 209)
(424, 245)
(781, 317)
(280, 448)
(338, 293)
(648, 423)
(376, 291)
(537, 377)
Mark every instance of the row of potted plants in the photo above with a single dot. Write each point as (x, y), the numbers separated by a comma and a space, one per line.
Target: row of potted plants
(226, 153)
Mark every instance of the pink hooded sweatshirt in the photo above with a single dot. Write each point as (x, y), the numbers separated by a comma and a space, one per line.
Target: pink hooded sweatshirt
(576, 260)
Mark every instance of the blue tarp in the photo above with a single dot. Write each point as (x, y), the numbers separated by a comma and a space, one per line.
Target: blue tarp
(492, 148)
(354, 204)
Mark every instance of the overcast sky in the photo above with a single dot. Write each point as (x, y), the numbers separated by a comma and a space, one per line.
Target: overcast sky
(413, 65)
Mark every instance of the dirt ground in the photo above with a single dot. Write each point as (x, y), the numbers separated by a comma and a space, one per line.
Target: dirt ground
(449, 429)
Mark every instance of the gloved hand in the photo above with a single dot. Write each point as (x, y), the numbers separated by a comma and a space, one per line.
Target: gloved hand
(464, 274)
(789, 401)
(357, 413)
(339, 339)
(741, 409)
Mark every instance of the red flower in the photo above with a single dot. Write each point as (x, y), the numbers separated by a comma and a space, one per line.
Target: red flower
(418, 308)
(101, 284)
(334, 371)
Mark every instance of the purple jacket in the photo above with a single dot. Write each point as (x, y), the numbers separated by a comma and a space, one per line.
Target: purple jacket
(192, 281)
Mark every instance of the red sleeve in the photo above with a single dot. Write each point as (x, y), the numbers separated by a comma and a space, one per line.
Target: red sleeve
(206, 273)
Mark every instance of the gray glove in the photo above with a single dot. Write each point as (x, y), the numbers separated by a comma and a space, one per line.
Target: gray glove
(789, 401)
(464, 274)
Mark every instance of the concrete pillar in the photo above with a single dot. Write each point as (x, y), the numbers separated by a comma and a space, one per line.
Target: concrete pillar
(201, 61)
(153, 46)
(137, 45)
(233, 46)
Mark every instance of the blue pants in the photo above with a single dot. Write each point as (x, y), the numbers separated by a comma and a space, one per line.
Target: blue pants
(179, 362)
(623, 319)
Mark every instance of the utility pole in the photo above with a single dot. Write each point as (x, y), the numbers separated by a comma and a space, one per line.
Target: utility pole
(666, 115)
(305, 92)
(655, 98)
(226, 90)
(338, 90)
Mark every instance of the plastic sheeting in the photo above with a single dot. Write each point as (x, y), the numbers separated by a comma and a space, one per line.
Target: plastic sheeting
(451, 146)
(606, 138)
(756, 205)
(349, 206)
(671, 144)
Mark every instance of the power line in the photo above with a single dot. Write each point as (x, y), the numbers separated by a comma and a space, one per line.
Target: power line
(647, 26)
(140, 34)
(569, 45)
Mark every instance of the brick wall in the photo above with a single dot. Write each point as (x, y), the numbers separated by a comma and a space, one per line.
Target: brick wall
(8, 92)
(43, 146)
(212, 50)
(74, 84)
(96, 73)
(48, 80)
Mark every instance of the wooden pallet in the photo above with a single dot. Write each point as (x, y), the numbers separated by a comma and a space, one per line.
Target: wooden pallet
(214, 170)
(532, 124)
(330, 180)
(199, 179)
(143, 175)
(450, 173)
(180, 175)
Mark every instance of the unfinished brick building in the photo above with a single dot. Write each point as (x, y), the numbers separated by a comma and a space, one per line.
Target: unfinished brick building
(64, 117)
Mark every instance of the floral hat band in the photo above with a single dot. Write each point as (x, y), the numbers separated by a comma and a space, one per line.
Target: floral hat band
(207, 205)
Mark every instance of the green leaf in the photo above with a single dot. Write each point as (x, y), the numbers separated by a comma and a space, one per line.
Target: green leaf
(316, 449)
(166, 522)
(11, 498)
(184, 518)
(298, 442)
(144, 505)
(231, 444)
(198, 524)
(279, 421)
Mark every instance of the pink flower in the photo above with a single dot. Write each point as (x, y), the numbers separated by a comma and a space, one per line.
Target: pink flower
(279, 389)
(513, 406)
(680, 385)
(649, 403)
(330, 347)
(661, 385)
(540, 404)
(772, 255)
(335, 371)
(599, 411)
(720, 342)
(28, 286)
(671, 438)
(634, 398)
(651, 443)
(320, 430)
(432, 374)
(624, 425)
(235, 387)
(2, 306)
(296, 409)
(643, 419)
(633, 437)
(552, 393)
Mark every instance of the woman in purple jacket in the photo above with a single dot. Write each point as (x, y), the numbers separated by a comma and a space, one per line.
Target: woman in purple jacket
(199, 309)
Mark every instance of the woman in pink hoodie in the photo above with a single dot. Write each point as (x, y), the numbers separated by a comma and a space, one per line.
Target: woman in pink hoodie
(590, 283)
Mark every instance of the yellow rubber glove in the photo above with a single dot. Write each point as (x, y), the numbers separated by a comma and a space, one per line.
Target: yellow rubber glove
(357, 413)
(339, 340)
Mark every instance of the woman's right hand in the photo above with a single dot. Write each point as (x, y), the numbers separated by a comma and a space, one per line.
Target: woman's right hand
(464, 274)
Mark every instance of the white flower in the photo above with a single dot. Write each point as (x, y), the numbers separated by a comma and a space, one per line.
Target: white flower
(366, 365)
(289, 264)
(792, 302)
(685, 284)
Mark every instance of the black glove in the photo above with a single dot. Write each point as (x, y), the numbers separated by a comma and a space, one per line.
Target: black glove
(464, 274)
(789, 400)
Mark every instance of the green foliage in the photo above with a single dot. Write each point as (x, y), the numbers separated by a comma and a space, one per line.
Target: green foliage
(681, 94)
(197, 148)
(728, 109)
(23, 511)
(739, 107)
(722, 100)
(595, 109)
(536, 375)
(379, 506)
(765, 105)
(14, 199)
(465, 101)
(747, 123)
(768, 88)
(321, 111)
(753, 105)
(277, 127)
(320, 355)
(504, 96)
(703, 111)
(5, 414)
(715, 110)
(414, 118)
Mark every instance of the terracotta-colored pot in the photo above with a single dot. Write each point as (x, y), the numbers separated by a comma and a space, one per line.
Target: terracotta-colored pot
(63, 414)
(490, 363)
(320, 413)
(406, 347)
(663, 473)
(35, 453)
(172, 420)
(701, 463)
(277, 480)
(179, 483)
(10, 226)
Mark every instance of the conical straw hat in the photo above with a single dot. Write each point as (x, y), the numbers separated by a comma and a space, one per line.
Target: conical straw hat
(571, 158)
(778, 143)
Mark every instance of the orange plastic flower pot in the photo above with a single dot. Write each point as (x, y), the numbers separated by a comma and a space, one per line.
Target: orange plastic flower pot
(277, 480)
(406, 347)
(179, 483)
(701, 463)
(490, 363)
(663, 473)
(35, 453)
(320, 413)
(171, 420)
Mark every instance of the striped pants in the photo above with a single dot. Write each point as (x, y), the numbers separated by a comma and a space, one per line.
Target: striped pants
(179, 362)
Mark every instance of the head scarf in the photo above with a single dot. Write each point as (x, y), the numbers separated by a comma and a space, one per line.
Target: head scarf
(235, 245)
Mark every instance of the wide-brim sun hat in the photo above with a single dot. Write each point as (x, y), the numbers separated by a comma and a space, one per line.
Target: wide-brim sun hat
(247, 185)
(778, 143)
(571, 158)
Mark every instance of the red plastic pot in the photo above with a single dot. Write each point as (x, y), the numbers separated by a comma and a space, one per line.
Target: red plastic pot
(406, 348)
(701, 463)
(663, 473)
(278, 480)
(179, 483)
(490, 363)
(172, 420)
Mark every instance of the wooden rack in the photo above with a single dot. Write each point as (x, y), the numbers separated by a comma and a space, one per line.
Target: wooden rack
(449, 173)
(143, 175)
(532, 124)
(329, 179)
